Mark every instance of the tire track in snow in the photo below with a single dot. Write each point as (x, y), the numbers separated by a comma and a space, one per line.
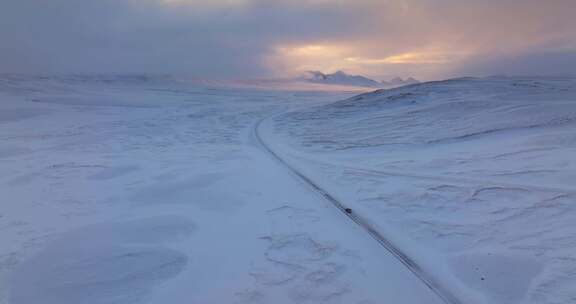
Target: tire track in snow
(443, 293)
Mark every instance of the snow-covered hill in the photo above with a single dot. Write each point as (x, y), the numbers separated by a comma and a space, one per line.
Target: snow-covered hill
(154, 189)
(150, 189)
(478, 171)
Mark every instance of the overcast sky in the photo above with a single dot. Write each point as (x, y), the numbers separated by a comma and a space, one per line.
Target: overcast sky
(428, 39)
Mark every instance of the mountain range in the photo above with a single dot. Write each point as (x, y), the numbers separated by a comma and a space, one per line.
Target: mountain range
(342, 78)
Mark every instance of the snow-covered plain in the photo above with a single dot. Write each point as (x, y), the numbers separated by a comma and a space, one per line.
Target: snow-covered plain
(473, 178)
(140, 189)
(154, 190)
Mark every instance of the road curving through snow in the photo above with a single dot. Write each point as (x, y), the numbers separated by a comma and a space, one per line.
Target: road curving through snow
(442, 291)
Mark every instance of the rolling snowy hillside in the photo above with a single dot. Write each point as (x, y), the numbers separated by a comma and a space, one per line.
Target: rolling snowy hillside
(143, 189)
(154, 189)
(478, 173)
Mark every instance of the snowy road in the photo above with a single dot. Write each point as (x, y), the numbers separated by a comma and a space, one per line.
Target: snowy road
(427, 279)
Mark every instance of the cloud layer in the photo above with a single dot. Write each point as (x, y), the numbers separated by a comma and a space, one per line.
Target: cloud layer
(257, 38)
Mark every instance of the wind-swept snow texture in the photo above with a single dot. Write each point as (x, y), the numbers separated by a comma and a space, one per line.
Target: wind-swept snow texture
(140, 189)
(473, 178)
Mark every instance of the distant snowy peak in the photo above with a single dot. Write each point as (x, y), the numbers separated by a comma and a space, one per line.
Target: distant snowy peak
(400, 82)
(340, 78)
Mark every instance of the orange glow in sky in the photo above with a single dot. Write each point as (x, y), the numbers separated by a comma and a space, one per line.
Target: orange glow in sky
(332, 57)
(421, 38)
(427, 39)
(405, 58)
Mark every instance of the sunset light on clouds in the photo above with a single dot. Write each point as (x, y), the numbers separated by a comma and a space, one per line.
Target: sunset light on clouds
(256, 38)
